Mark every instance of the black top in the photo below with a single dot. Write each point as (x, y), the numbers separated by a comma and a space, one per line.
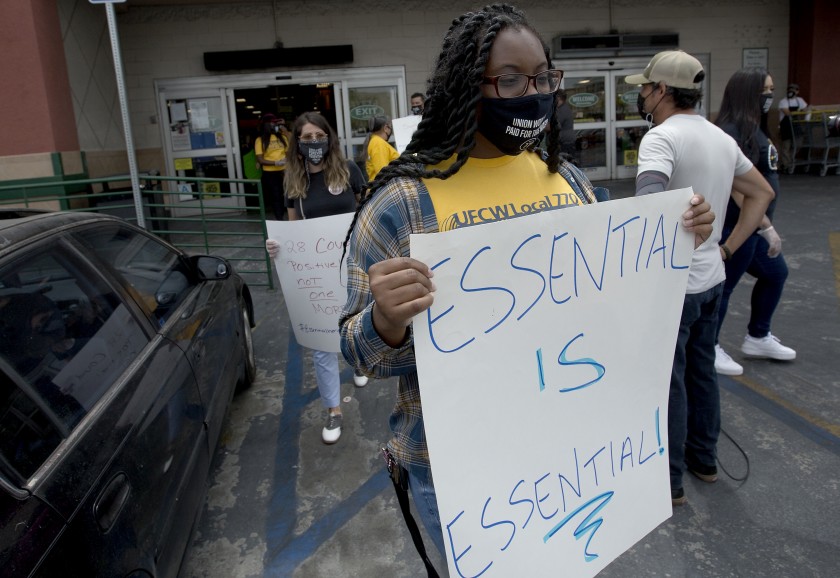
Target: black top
(767, 164)
(320, 202)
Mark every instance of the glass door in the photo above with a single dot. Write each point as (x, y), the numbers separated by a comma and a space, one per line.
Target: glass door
(628, 127)
(197, 146)
(366, 99)
(588, 94)
(607, 123)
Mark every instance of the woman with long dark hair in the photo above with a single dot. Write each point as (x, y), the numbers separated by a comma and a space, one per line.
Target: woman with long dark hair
(270, 149)
(748, 96)
(320, 182)
(493, 72)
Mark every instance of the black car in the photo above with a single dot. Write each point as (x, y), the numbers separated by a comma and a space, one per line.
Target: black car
(119, 357)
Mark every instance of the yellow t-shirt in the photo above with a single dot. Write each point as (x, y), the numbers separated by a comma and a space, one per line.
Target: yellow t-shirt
(276, 152)
(487, 190)
(380, 153)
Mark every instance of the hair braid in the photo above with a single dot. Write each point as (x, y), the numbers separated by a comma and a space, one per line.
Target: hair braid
(449, 122)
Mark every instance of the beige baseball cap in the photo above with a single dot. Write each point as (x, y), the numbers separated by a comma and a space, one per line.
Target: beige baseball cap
(673, 67)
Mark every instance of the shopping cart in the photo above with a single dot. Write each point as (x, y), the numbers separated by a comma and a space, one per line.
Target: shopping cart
(816, 140)
(825, 142)
(800, 144)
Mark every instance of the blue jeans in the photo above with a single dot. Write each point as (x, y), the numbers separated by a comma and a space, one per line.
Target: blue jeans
(425, 503)
(770, 274)
(327, 376)
(694, 399)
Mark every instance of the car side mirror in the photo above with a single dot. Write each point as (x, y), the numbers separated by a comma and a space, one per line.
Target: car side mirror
(210, 268)
(171, 289)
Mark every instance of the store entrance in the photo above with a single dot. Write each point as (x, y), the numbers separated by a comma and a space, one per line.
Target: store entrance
(285, 101)
(210, 124)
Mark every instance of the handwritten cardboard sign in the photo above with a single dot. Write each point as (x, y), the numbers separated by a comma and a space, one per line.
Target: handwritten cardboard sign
(313, 280)
(544, 369)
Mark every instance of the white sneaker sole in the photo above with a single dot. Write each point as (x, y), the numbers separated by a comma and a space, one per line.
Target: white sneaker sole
(726, 371)
(360, 380)
(330, 436)
(759, 354)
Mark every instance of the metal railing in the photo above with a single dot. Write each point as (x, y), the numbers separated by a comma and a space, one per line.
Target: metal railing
(225, 223)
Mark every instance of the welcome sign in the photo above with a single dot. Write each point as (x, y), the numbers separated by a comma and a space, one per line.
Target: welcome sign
(544, 367)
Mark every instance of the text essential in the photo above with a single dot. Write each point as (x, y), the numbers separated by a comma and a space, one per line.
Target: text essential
(312, 278)
(544, 367)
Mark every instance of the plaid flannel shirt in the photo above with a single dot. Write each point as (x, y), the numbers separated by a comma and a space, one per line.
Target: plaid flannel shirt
(400, 208)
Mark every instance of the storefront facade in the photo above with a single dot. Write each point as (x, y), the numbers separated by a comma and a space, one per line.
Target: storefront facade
(392, 47)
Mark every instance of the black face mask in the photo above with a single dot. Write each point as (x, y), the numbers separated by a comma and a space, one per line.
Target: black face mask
(314, 152)
(791, 93)
(766, 103)
(512, 125)
(640, 104)
(416, 110)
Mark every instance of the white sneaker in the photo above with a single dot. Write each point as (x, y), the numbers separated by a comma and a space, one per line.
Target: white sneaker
(332, 431)
(724, 364)
(769, 347)
(360, 380)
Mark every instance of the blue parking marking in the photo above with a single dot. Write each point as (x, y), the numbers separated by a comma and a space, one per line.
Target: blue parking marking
(796, 422)
(285, 551)
(284, 558)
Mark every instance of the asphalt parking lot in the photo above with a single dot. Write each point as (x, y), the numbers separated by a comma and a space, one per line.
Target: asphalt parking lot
(281, 503)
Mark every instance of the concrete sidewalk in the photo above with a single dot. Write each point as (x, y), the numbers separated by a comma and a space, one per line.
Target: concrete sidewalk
(282, 504)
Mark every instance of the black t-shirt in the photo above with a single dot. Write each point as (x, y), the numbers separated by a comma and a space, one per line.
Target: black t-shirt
(767, 164)
(320, 202)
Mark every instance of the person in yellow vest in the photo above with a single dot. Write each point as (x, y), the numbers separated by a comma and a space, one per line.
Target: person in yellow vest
(271, 148)
(377, 150)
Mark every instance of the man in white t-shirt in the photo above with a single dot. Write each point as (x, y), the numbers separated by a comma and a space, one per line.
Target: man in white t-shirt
(686, 150)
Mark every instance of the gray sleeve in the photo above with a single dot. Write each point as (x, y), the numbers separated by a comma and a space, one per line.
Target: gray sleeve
(651, 182)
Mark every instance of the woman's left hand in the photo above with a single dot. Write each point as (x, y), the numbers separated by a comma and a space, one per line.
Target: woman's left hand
(273, 247)
(773, 240)
(699, 219)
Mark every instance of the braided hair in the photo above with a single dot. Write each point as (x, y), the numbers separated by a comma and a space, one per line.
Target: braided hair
(449, 119)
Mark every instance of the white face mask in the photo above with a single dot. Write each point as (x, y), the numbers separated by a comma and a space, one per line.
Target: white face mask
(766, 103)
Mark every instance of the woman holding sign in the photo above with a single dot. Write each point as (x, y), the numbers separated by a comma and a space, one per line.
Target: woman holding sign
(320, 182)
(490, 97)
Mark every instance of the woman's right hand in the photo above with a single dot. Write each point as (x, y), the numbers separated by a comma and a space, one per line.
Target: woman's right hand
(401, 287)
(273, 247)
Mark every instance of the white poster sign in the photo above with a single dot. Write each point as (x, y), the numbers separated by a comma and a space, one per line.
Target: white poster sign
(544, 369)
(755, 57)
(404, 128)
(313, 280)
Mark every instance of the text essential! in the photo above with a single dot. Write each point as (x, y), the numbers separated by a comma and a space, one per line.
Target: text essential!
(312, 278)
(556, 332)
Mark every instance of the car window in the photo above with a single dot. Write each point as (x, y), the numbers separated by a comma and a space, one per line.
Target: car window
(65, 337)
(28, 431)
(155, 273)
